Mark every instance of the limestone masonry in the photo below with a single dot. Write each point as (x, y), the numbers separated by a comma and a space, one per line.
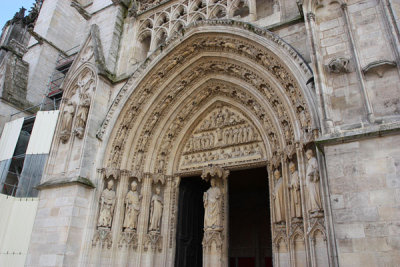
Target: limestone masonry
(211, 132)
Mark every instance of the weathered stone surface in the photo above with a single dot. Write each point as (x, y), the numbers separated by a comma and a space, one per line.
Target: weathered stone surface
(161, 90)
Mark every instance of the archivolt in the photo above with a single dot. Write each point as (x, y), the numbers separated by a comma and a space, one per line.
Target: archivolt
(254, 71)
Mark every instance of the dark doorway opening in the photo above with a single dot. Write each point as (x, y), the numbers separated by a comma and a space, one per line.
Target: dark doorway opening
(189, 235)
(250, 243)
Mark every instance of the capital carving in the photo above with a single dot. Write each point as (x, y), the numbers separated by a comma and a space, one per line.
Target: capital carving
(310, 16)
(339, 65)
(215, 172)
(102, 238)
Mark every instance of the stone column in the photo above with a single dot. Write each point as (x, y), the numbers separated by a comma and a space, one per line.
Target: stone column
(319, 76)
(360, 75)
(143, 218)
(169, 225)
(302, 169)
(215, 247)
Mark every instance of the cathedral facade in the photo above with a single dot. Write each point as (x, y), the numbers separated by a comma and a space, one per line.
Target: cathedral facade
(220, 133)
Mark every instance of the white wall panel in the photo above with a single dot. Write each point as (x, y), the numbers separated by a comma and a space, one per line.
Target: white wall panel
(16, 223)
(9, 138)
(42, 133)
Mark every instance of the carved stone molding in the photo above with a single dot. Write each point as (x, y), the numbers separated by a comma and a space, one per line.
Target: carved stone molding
(128, 239)
(211, 237)
(189, 51)
(153, 240)
(339, 65)
(222, 136)
(102, 238)
(379, 67)
(210, 172)
(111, 173)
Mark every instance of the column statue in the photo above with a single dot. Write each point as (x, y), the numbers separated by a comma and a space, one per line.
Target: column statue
(107, 204)
(132, 208)
(82, 115)
(212, 204)
(278, 198)
(294, 189)
(156, 210)
(68, 116)
(312, 183)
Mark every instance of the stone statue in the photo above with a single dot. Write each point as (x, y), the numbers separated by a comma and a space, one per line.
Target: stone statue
(107, 203)
(312, 183)
(213, 207)
(68, 117)
(278, 198)
(82, 115)
(294, 189)
(156, 210)
(132, 208)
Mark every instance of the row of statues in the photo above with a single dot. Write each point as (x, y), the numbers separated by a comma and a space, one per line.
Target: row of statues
(313, 195)
(132, 208)
(227, 153)
(213, 200)
(229, 136)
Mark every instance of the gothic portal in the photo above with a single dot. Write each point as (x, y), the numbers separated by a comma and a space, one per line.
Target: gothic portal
(221, 98)
(212, 133)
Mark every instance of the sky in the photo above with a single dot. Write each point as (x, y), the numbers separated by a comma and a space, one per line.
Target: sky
(9, 7)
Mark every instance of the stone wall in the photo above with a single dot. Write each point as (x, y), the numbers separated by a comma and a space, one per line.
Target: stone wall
(364, 188)
(59, 226)
(58, 23)
(359, 34)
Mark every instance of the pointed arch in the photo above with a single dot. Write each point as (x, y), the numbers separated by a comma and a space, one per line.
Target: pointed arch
(250, 69)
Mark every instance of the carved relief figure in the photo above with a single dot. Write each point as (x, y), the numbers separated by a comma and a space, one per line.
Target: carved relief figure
(294, 189)
(278, 198)
(107, 204)
(312, 183)
(82, 115)
(68, 117)
(156, 210)
(132, 208)
(213, 207)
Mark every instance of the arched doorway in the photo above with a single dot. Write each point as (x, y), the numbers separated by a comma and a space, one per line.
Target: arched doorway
(223, 96)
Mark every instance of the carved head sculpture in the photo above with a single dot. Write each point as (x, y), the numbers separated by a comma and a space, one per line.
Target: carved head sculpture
(110, 184)
(292, 167)
(134, 186)
(309, 154)
(277, 174)
(213, 182)
(158, 190)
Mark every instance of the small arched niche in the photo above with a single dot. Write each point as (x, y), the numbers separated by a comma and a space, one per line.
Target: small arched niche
(143, 46)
